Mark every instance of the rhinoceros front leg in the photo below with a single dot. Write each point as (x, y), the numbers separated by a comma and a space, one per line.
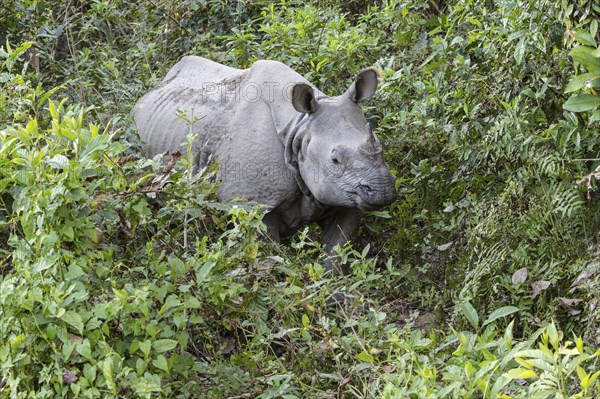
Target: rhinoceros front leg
(338, 229)
(273, 224)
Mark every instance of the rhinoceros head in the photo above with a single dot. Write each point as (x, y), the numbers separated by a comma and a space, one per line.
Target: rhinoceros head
(339, 158)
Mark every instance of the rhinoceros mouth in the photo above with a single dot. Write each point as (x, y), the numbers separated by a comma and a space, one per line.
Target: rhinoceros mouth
(364, 205)
(367, 199)
(362, 197)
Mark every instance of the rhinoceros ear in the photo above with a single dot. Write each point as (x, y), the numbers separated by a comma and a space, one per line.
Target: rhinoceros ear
(303, 98)
(364, 85)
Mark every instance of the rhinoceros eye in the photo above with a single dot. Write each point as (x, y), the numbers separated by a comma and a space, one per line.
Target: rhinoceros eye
(335, 157)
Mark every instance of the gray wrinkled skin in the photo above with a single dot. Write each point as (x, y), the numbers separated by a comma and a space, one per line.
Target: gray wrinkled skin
(279, 141)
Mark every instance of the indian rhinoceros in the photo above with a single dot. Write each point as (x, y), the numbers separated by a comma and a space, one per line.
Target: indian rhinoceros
(278, 140)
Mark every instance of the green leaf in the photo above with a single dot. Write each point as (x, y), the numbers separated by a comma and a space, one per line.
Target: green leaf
(84, 349)
(203, 273)
(508, 335)
(584, 37)
(582, 375)
(470, 313)
(520, 373)
(58, 162)
(145, 347)
(365, 357)
(380, 214)
(535, 354)
(108, 370)
(499, 313)
(593, 378)
(500, 383)
(578, 82)
(553, 336)
(542, 394)
(74, 319)
(52, 109)
(177, 266)
(520, 50)
(582, 103)
(584, 55)
(163, 345)
(305, 321)
(74, 271)
(161, 363)
(89, 372)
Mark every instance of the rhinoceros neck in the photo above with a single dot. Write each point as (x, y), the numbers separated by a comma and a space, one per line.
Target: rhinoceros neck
(291, 135)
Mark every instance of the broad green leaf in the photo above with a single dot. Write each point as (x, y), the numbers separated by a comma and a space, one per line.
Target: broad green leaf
(578, 82)
(52, 109)
(517, 35)
(89, 372)
(584, 37)
(520, 50)
(305, 321)
(43, 264)
(542, 394)
(96, 144)
(163, 345)
(508, 335)
(553, 335)
(500, 383)
(365, 357)
(177, 265)
(84, 348)
(535, 354)
(499, 313)
(74, 271)
(593, 378)
(470, 313)
(145, 347)
(525, 363)
(58, 161)
(520, 373)
(74, 319)
(583, 55)
(582, 103)
(161, 363)
(582, 374)
(203, 273)
(380, 214)
(579, 345)
(542, 364)
(448, 389)
(108, 370)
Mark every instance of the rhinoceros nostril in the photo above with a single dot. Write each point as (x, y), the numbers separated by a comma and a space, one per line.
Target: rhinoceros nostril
(366, 190)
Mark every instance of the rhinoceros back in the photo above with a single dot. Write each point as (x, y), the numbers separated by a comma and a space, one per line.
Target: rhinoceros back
(186, 100)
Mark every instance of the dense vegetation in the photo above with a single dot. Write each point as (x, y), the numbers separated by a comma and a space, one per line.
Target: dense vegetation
(123, 277)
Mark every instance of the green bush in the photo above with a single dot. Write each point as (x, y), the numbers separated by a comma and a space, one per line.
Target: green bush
(124, 277)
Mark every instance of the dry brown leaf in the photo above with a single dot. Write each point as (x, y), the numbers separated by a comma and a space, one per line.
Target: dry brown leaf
(569, 302)
(519, 276)
(69, 377)
(538, 287)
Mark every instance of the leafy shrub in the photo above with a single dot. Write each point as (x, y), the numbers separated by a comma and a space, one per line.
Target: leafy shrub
(123, 277)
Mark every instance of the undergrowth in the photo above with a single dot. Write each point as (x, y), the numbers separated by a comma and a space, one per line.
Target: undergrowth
(123, 277)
